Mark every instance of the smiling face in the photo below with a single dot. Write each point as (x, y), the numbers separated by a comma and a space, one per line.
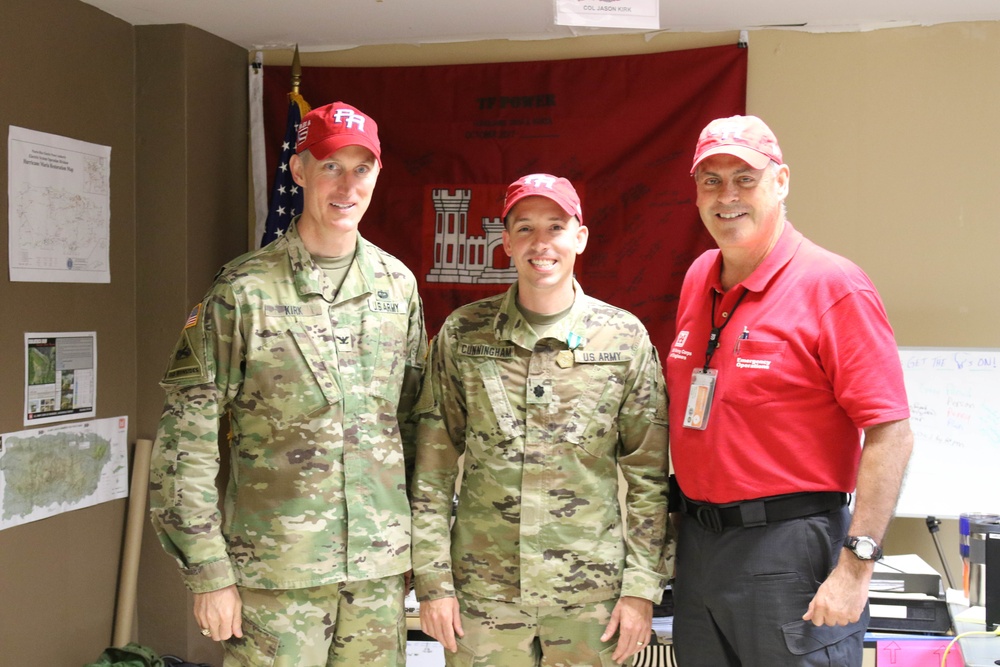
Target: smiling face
(739, 205)
(336, 192)
(543, 241)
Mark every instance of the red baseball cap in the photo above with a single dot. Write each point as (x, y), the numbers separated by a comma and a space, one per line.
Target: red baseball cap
(558, 189)
(329, 128)
(746, 137)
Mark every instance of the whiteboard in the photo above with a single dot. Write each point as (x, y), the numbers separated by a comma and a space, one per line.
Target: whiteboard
(954, 397)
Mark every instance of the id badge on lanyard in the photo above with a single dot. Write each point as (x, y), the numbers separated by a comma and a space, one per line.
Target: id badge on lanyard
(699, 403)
(703, 381)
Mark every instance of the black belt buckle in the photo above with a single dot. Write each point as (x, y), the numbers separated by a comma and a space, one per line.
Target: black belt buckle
(709, 518)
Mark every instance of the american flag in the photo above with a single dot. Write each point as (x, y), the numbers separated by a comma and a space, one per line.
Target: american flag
(286, 196)
(193, 317)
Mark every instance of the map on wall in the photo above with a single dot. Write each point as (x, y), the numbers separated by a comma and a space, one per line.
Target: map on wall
(48, 471)
(59, 208)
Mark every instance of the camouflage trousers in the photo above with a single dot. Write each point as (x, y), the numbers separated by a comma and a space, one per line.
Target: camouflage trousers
(339, 625)
(503, 634)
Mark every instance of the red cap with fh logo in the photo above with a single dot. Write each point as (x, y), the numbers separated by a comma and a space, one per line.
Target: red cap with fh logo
(329, 128)
(746, 137)
(558, 189)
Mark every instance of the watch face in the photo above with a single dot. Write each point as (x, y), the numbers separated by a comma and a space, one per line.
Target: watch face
(864, 549)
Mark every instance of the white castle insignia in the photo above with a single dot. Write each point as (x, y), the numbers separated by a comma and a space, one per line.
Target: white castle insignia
(459, 258)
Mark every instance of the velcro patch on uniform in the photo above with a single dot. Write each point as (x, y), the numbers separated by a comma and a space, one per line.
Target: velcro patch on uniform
(491, 351)
(181, 373)
(295, 310)
(342, 336)
(377, 305)
(539, 391)
(601, 357)
(187, 364)
(192, 319)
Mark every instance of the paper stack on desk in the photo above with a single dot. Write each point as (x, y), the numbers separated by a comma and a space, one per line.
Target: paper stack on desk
(906, 595)
(906, 573)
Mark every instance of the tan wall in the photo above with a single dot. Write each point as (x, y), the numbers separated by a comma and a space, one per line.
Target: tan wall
(891, 137)
(58, 576)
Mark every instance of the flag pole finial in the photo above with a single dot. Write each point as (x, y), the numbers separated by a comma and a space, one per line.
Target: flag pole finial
(296, 71)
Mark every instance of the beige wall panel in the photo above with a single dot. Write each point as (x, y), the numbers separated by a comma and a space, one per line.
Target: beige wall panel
(192, 197)
(891, 138)
(67, 69)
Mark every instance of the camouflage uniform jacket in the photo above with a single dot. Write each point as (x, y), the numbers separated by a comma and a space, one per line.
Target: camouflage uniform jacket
(542, 425)
(313, 379)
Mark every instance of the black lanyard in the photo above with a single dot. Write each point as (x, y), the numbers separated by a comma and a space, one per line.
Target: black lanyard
(716, 332)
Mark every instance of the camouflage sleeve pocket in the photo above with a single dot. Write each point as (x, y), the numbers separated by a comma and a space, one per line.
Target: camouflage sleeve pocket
(425, 397)
(660, 399)
(163, 470)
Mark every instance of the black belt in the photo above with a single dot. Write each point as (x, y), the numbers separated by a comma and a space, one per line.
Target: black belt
(762, 511)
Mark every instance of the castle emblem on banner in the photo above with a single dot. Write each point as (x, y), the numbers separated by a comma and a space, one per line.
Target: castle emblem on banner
(460, 257)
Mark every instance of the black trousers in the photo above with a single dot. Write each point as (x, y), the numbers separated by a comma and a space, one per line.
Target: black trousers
(740, 595)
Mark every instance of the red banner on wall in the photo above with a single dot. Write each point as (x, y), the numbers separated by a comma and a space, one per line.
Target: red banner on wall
(622, 129)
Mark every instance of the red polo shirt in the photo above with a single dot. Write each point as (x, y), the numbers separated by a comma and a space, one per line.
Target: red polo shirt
(818, 365)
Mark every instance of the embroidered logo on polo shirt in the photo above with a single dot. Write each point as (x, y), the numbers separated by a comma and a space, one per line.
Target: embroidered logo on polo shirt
(677, 351)
(764, 364)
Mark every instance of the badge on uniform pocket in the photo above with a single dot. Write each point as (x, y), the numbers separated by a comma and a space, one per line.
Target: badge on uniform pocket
(564, 359)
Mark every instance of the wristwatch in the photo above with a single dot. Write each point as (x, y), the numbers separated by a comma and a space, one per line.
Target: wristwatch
(864, 547)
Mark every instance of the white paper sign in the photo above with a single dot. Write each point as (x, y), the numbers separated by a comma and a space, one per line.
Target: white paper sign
(638, 14)
(59, 208)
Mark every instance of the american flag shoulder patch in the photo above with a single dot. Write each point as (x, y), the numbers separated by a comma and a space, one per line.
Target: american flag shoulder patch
(192, 319)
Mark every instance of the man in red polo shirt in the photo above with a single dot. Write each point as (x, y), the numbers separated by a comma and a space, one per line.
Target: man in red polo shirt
(783, 356)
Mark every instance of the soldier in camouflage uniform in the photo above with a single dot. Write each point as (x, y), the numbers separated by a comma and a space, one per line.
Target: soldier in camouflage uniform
(315, 345)
(545, 391)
